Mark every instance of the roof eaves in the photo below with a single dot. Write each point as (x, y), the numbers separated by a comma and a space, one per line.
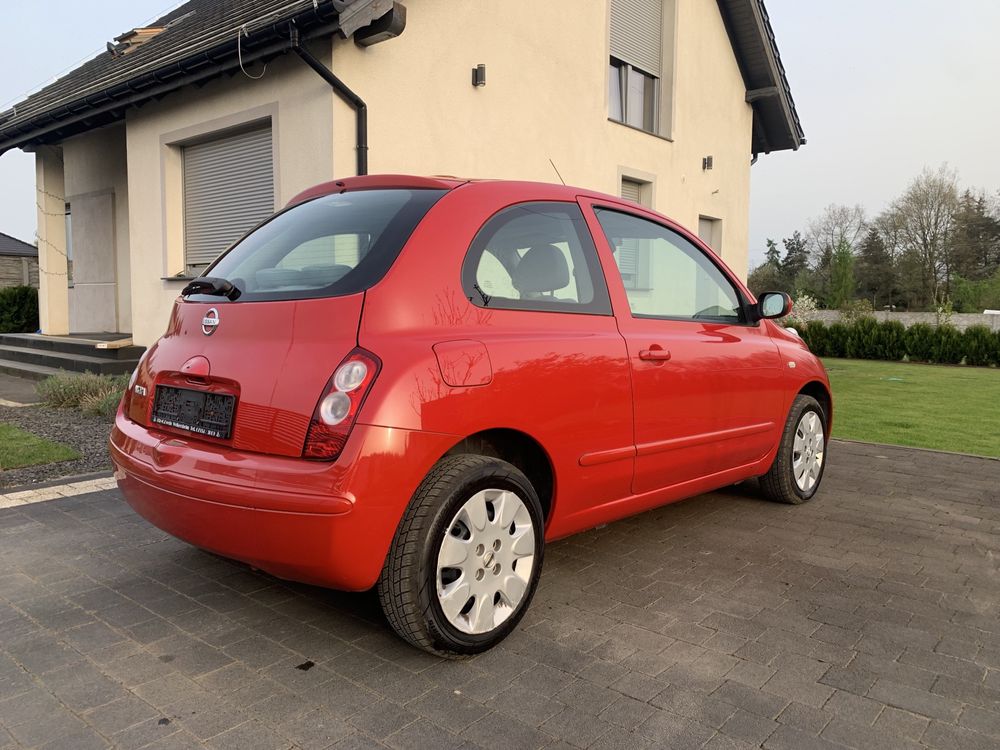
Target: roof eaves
(776, 122)
(162, 71)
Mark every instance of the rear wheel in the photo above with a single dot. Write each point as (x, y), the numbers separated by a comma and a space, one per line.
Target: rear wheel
(797, 471)
(466, 557)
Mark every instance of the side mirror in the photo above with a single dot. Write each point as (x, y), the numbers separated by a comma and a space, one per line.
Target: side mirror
(773, 305)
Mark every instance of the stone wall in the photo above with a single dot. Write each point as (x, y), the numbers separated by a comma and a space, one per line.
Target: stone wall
(18, 271)
(959, 320)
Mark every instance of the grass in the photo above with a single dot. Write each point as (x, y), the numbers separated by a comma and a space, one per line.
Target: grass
(19, 448)
(924, 406)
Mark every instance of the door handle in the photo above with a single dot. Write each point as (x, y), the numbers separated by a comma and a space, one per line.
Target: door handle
(655, 353)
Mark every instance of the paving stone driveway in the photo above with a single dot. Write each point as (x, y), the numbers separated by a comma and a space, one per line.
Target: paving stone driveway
(870, 618)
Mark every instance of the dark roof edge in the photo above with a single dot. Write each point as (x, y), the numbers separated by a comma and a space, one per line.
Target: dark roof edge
(771, 99)
(12, 246)
(774, 59)
(107, 106)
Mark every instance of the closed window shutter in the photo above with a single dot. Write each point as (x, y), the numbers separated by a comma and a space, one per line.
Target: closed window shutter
(631, 190)
(636, 27)
(228, 189)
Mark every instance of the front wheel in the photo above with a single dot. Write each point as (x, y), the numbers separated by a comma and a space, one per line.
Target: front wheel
(798, 468)
(466, 557)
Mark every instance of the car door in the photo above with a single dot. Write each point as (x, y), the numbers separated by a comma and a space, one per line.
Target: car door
(705, 379)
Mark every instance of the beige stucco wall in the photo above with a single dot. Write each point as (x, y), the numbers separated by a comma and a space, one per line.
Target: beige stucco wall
(96, 183)
(545, 98)
(53, 308)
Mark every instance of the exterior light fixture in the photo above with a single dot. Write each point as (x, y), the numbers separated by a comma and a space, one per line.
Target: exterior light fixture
(479, 75)
(706, 163)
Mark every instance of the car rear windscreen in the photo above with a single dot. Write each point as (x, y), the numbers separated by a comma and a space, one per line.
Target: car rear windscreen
(327, 247)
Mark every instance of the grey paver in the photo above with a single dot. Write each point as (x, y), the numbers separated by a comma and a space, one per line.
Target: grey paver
(865, 619)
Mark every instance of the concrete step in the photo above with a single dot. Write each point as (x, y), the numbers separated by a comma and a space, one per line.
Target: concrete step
(24, 370)
(71, 362)
(70, 345)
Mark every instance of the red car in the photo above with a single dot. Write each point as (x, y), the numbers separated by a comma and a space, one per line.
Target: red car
(415, 383)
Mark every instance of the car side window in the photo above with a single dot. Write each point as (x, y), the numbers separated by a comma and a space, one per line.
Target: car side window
(536, 256)
(680, 280)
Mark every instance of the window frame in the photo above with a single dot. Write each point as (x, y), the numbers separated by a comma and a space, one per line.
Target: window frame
(599, 305)
(621, 69)
(746, 318)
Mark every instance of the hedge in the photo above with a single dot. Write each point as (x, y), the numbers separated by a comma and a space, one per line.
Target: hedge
(867, 338)
(18, 309)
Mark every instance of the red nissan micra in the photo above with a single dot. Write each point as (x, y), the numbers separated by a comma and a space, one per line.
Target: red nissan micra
(414, 383)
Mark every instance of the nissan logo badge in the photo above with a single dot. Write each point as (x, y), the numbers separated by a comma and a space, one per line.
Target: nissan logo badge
(210, 322)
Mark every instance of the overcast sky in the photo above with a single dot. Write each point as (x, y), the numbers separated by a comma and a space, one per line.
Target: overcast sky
(883, 87)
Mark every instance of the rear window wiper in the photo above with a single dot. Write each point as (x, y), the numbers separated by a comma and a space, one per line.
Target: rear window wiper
(213, 286)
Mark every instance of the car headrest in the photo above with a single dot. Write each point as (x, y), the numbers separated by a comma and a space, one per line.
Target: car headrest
(542, 269)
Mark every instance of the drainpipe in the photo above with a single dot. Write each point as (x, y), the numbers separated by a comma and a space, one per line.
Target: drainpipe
(341, 89)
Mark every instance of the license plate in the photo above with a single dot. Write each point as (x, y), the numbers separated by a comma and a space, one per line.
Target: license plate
(196, 411)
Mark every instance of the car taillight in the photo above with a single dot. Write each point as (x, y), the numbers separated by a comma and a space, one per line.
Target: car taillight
(339, 405)
(126, 403)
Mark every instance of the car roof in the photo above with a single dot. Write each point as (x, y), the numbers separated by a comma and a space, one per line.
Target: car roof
(537, 190)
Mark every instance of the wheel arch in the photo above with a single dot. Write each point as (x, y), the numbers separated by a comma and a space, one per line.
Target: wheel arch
(517, 448)
(821, 393)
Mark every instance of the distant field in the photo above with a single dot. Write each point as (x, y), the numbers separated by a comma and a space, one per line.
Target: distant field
(925, 406)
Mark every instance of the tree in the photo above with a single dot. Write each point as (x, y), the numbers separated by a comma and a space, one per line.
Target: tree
(974, 250)
(921, 223)
(837, 225)
(768, 276)
(875, 273)
(796, 260)
(841, 276)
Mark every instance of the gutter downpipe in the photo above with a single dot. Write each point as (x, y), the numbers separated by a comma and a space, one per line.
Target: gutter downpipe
(345, 93)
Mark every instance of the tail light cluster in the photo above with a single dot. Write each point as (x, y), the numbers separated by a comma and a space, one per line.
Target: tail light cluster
(339, 405)
(126, 402)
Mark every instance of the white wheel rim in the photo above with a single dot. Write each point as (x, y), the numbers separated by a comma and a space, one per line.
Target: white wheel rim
(485, 561)
(808, 451)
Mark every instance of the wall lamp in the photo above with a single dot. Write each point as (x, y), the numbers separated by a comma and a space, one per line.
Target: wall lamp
(479, 75)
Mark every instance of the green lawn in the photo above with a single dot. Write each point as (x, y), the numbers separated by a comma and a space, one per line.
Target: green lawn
(926, 406)
(19, 448)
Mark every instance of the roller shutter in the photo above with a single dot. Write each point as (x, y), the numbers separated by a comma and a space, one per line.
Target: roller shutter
(228, 189)
(636, 27)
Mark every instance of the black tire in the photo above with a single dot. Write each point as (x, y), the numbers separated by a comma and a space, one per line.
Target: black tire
(779, 483)
(407, 587)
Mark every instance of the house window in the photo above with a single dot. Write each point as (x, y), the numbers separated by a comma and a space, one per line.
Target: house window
(636, 62)
(228, 188)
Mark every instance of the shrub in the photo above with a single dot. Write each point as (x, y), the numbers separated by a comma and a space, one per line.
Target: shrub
(815, 336)
(949, 348)
(921, 341)
(864, 340)
(18, 309)
(803, 311)
(102, 404)
(980, 347)
(837, 336)
(892, 340)
(855, 309)
(88, 392)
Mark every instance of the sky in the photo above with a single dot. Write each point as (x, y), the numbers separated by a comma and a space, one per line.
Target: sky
(883, 88)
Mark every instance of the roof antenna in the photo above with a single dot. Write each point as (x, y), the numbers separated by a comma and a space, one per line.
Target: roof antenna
(557, 171)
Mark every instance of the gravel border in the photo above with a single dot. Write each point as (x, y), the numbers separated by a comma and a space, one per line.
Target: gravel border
(88, 435)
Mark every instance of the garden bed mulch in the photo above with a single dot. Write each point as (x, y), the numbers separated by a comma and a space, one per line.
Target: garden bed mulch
(87, 434)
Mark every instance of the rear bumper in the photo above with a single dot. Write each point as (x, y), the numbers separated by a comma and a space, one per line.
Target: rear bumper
(328, 524)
